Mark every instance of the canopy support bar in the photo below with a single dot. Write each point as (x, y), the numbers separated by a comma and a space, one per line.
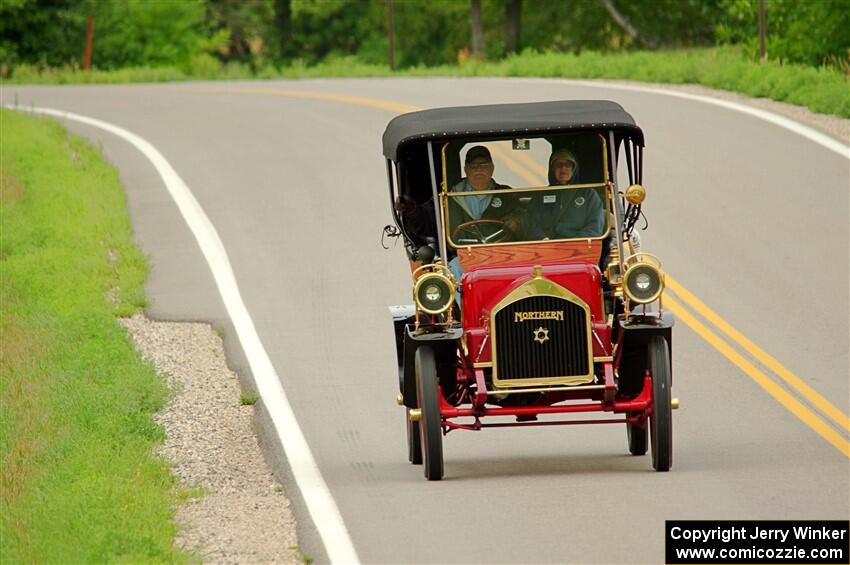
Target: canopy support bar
(441, 236)
(617, 201)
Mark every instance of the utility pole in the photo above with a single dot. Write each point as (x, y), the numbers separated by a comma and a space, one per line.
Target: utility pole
(762, 25)
(390, 36)
(89, 38)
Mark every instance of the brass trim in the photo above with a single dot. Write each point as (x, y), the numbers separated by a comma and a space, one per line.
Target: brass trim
(544, 389)
(414, 414)
(642, 258)
(540, 286)
(604, 359)
(445, 183)
(635, 194)
(399, 400)
(674, 403)
(482, 365)
(613, 272)
(555, 187)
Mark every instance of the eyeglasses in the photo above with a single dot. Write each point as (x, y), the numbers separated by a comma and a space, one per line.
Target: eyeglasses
(479, 166)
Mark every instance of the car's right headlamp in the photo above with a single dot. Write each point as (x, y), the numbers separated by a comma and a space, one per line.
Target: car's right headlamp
(643, 280)
(434, 293)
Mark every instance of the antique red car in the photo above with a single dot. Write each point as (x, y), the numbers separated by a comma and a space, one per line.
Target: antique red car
(531, 297)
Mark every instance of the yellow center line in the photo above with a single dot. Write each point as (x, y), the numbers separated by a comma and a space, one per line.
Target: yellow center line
(532, 164)
(777, 392)
(516, 167)
(764, 358)
(344, 98)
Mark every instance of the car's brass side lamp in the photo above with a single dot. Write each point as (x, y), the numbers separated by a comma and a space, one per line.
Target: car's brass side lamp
(613, 271)
(643, 279)
(434, 290)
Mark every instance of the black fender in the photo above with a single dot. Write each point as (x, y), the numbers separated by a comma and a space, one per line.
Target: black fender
(443, 341)
(633, 335)
(402, 314)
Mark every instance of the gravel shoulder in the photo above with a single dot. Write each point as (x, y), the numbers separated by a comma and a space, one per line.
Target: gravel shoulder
(236, 511)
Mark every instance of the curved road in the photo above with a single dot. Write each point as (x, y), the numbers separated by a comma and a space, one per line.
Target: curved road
(750, 220)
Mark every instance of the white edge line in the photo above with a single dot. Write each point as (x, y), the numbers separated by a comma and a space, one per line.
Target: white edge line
(323, 510)
(766, 115)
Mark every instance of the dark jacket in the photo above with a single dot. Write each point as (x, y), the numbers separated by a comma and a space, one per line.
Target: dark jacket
(497, 209)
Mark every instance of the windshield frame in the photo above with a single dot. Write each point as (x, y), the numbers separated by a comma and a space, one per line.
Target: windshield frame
(445, 194)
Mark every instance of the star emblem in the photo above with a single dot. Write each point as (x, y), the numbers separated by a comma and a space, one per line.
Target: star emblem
(541, 335)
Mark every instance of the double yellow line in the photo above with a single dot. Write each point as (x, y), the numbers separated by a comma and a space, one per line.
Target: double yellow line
(535, 174)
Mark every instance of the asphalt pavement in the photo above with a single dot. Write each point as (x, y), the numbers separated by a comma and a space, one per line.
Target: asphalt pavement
(750, 218)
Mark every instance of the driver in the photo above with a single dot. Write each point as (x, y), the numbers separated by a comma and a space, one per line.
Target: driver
(478, 167)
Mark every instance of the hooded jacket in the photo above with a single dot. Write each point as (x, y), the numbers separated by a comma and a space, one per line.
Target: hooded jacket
(566, 214)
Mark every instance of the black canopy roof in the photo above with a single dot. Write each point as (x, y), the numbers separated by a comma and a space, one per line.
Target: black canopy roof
(498, 120)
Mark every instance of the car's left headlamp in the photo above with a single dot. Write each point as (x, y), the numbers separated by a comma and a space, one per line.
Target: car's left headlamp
(643, 281)
(434, 293)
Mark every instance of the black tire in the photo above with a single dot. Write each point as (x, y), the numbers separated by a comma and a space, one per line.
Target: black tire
(637, 437)
(661, 419)
(414, 441)
(430, 427)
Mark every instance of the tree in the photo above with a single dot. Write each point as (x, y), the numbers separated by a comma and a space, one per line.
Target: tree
(248, 24)
(477, 30)
(513, 25)
(626, 26)
(283, 28)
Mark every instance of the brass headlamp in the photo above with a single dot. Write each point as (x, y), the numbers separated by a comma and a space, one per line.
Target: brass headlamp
(643, 280)
(434, 290)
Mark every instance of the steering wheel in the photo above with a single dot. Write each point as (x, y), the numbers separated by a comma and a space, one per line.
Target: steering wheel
(471, 230)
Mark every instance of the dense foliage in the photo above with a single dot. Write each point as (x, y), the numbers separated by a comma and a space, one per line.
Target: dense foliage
(190, 34)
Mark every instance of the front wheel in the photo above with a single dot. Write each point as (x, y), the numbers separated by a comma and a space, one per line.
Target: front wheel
(430, 427)
(661, 419)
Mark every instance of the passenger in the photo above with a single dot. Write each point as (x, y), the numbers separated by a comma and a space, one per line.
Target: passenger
(566, 214)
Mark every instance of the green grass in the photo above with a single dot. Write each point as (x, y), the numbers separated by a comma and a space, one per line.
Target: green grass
(824, 90)
(248, 398)
(79, 481)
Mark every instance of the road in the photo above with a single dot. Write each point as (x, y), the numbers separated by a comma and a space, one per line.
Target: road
(750, 218)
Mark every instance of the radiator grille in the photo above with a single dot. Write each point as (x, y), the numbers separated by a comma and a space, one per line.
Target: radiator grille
(541, 337)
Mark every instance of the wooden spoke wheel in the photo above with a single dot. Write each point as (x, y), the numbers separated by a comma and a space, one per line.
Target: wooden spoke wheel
(661, 419)
(430, 426)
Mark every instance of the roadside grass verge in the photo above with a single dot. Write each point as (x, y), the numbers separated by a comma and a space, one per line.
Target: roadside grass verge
(78, 480)
(825, 90)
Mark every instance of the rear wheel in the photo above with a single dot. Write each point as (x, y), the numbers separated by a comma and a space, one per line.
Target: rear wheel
(414, 442)
(430, 426)
(637, 436)
(661, 419)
